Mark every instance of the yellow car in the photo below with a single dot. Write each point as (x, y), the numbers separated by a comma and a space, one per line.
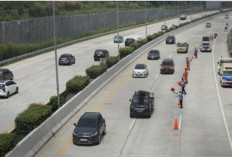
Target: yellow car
(182, 47)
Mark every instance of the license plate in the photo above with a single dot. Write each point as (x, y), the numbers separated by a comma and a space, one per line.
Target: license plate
(83, 139)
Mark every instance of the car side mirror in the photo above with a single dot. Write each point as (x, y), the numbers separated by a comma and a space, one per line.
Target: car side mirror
(75, 124)
(130, 100)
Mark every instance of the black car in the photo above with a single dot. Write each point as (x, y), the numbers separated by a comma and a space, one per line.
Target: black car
(6, 74)
(66, 59)
(167, 66)
(129, 41)
(100, 53)
(142, 104)
(89, 129)
(153, 54)
(171, 39)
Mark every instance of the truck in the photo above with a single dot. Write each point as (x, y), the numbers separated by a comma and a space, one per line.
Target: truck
(226, 78)
(222, 63)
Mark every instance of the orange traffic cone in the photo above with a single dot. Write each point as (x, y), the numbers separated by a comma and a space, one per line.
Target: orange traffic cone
(176, 125)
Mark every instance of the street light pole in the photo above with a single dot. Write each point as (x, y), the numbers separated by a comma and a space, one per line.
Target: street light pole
(118, 33)
(190, 10)
(146, 18)
(178, 12)
(54, 32)
(164, 14)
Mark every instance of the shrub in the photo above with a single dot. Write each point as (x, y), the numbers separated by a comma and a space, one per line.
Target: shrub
(125, 51)
(150, 37)
(95, 70)
(77, 83)
(6, 143)
(110, 61)
(134, 45)
(31, 118)
(54, 104)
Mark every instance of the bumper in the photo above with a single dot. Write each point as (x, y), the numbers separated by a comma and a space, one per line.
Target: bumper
(139, 75)
(153, 58)
(181, 51)
(2, 94)
(226, 84)
(166, 71)
(139, 112)
(205, 50)
(97, 58)
(85, 140)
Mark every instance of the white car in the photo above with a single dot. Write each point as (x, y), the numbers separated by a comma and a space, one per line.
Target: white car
(140, 70)
(7, 88)
(183, 17)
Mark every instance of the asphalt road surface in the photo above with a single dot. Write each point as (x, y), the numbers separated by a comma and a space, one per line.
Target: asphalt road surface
(36, 76)
(205, 122)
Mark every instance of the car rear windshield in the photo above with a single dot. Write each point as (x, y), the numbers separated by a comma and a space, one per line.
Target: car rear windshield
(65, 56)
(171, 37)
(205, 44)
(181, 44)
(99, 52)
(167, 63)
(205, 39)
(139, 66)
(227, 73)
(140, 98)
(87, 122)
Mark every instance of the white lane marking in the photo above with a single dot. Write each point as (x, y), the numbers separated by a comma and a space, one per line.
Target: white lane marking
(180, 122)
(220, 101)
(132, 124)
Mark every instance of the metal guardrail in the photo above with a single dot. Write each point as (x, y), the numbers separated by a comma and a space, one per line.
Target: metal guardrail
(37, 52)
(35, 140)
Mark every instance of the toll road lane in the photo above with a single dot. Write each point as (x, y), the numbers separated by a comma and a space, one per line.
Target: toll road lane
(126, 136)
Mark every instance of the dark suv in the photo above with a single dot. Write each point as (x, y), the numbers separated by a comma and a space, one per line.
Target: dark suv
(171, 39)
(167, 66)
(6, 74)
(142, 104)
(100, 53)
(153, 54)
(66, 59)
(129, 41)
(89, 129)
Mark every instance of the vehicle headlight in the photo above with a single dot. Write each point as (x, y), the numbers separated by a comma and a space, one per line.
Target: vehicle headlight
(94, 134)
(75, 134)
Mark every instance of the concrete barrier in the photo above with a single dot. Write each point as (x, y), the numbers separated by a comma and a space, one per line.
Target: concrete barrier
(34, 141)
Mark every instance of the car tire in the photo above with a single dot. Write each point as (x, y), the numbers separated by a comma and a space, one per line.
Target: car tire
(104, 132)
(99, 139)
(8, 95)
(131, 115)
(17, 90)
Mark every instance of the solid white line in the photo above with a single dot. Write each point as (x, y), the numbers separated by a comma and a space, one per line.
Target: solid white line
(132, 124)
(180, 122)
(220, 101)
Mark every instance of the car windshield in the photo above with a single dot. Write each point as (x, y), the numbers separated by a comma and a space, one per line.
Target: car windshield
(140, 66)
(154, 52)
(205, 44)
(225, 61)
(167, 63)
(117, 37)
(205, 39)
(227, 73)
(65, 56)
(208, 24)
(170, 37)
(140, 98)
(181, 44)
(87, 123)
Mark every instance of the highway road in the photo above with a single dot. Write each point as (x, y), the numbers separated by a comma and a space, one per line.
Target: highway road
(36, 76)
(205, 122)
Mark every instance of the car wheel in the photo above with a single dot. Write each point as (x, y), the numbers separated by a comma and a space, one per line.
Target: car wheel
(8, 94)
(104, 132)
(17, 90)
(99, 139)
(131, 115)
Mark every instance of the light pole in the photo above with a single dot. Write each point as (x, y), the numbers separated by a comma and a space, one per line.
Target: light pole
(118, 34)
(146, 19)
(54, 32)
(178, 12)
(164, 14)
(190, 10)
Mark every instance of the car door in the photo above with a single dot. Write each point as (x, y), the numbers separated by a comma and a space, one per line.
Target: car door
(101, 126)
(8, 87)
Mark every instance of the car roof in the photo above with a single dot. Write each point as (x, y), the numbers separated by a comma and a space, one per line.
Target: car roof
(90, 115)
(4, 70)
(168, 60)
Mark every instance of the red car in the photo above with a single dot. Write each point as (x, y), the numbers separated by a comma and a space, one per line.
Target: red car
(167, 66)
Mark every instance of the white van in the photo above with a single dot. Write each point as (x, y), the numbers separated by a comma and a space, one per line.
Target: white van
(224, 66)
